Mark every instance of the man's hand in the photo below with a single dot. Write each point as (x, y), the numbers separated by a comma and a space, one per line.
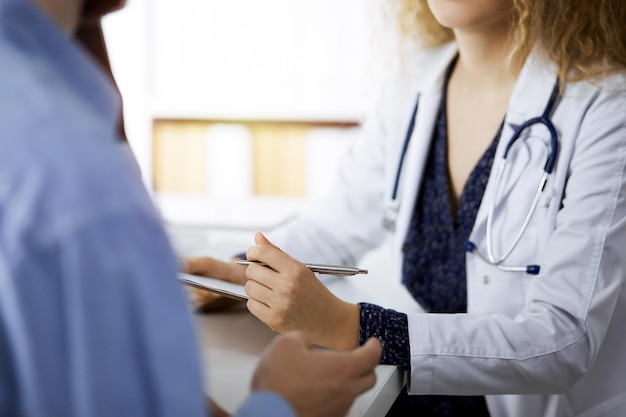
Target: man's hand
(317, 382)
(215, 410)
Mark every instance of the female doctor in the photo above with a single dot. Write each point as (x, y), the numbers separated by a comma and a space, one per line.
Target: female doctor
(496, 165)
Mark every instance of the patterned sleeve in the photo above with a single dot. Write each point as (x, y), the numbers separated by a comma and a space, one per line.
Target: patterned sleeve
(391, 328)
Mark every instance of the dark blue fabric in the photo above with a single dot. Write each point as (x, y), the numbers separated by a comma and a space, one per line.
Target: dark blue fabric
(391, 328)
(434, 257)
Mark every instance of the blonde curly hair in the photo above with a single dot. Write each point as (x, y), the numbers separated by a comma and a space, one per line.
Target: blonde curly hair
(585, 38)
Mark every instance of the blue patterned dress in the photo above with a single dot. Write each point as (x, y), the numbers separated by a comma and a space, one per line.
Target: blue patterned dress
(433, 269)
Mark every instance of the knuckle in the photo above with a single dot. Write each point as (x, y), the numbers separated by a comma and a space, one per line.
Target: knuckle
(290, 289)
(279, 323)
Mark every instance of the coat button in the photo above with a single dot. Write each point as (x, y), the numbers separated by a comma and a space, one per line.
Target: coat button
(486, 279)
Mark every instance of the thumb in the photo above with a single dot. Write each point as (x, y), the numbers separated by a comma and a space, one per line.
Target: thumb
(369, 354)
(260, 239)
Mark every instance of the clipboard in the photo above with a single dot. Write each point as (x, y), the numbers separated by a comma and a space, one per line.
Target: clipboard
(227, 289)
(237, 292)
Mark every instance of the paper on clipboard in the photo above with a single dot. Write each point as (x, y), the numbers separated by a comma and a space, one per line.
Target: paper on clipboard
(227, 289)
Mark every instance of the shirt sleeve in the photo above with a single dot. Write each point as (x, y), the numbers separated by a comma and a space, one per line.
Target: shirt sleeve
(97, 321)
(391, 328)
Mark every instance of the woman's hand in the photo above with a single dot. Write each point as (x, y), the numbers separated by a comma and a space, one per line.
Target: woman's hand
(287, 296)
(202, 300)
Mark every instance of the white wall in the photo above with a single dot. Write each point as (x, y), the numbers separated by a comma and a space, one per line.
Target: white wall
(245, 59)
(129, 49)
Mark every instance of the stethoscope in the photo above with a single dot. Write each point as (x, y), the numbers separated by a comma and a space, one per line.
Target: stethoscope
(393, 207)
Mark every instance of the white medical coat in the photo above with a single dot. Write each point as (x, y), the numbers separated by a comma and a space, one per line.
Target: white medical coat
(552, 344)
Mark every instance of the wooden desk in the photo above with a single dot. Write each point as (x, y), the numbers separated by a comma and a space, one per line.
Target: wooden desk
(231, 341)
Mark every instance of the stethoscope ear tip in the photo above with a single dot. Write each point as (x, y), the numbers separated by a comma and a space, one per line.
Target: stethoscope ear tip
(532, 269)
(469, 246)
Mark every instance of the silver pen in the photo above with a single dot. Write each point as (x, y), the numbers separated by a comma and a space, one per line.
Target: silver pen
(338, 270)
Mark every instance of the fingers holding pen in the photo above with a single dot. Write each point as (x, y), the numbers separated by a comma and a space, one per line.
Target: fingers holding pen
(281, 276)
(284, 293)
(266, 252)
(279, 292)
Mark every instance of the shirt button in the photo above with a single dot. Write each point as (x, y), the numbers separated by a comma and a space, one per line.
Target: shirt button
(486, 279)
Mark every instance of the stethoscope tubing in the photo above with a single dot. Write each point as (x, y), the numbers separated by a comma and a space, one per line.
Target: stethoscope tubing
(394, 205)
(405, 147)
(545, 121)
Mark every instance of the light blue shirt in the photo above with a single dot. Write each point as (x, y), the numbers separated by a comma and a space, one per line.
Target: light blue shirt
(93, 321)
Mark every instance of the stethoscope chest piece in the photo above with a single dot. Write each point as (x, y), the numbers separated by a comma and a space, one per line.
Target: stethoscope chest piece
(391, 215)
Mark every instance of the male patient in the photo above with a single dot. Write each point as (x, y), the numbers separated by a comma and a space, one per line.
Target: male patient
(93, 321)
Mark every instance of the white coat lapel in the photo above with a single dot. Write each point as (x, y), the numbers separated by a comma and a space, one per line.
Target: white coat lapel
(417, 154)
(429, 90)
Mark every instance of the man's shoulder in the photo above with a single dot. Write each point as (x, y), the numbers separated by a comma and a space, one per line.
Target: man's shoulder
(60, 178)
